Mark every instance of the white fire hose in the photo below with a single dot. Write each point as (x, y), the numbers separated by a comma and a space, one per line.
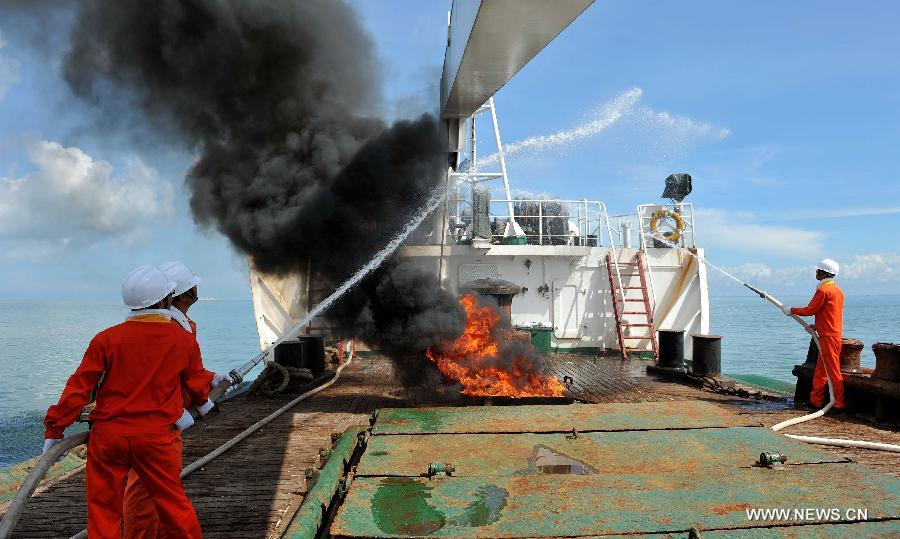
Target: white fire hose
(838, 442)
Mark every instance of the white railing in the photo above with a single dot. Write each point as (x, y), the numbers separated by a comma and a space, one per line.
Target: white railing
(545, 221)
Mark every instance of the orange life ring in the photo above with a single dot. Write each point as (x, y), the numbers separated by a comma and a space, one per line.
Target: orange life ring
(662, 214)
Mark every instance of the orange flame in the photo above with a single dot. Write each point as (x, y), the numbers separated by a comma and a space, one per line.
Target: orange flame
(469, 360)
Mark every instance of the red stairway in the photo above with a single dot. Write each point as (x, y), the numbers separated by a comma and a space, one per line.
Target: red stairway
(619, 273)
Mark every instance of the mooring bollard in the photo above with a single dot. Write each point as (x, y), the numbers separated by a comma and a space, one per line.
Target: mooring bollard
(707, 355)
(671, 348)
(851, 349)
(887, 361)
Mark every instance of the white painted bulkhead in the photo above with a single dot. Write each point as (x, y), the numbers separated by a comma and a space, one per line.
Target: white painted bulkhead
(565, 288)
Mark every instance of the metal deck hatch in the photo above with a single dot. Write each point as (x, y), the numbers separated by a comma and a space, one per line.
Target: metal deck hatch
(538, 418)
(598, 470)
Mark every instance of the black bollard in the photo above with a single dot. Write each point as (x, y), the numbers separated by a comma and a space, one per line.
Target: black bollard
(313, 353)
(707, 356)
(289, 354)
(671, 348)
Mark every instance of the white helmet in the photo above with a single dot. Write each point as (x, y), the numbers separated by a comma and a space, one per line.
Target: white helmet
(145, 286)
(829, 265)
(184, 278)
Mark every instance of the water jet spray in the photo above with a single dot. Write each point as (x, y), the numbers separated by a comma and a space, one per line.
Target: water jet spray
(839, 442)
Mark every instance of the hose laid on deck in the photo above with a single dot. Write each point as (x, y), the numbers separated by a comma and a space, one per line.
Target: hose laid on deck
(203, 461)
(837, 442)
(14, 512)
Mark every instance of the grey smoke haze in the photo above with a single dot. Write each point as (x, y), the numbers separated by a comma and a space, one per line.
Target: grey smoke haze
(278, 99)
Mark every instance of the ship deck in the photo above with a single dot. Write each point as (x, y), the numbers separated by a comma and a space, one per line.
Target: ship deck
(254, 489)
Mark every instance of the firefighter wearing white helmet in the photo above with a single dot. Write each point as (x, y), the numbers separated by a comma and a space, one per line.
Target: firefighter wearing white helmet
(145, 364)
(827, 305)
(140, 515)
(184, 294)
(146, 286)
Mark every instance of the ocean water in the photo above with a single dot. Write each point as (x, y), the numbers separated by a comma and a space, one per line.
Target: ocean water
(41, 343)
(758, 339)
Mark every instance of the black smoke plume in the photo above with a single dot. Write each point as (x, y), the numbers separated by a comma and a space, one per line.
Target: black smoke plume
(279, 101)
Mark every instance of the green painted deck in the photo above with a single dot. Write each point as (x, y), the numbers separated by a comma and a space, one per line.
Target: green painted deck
(557, 418)
(626, 452)
(630, 468)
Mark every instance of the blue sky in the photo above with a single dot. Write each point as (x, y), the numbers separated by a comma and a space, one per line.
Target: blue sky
(786, 114)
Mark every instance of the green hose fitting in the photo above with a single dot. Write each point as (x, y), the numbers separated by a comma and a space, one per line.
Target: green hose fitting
(440, 469)
(772, 458)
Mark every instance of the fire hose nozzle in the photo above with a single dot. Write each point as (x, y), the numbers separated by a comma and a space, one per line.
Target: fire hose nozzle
(757, 290)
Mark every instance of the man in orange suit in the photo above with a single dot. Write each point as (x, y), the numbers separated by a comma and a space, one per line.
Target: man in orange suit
(140, 515)
(138, 370)
(827, 306)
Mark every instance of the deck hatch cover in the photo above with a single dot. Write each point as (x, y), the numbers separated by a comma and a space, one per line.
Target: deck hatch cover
(669, 486)
(572, 505)
(537, 418)
(634, 452)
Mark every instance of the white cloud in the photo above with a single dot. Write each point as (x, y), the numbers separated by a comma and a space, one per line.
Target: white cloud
(751, 271)
(737, 231)
(670, 132)
(881, 267)
(9, 70)
(72, 199)
(797, 215)
(861, 270)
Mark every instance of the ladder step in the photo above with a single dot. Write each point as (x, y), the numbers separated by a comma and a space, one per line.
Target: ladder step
(635, 312)
(637, 325)
(627, 275)
(632, 287)
(634, 299)
(636, 338)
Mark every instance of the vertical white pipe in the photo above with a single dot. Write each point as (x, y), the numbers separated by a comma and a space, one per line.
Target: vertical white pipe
(540, 222)
(509, 204)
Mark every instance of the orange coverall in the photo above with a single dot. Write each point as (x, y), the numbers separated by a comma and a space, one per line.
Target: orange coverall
(827, 305)
(145, 363)
(141, 519)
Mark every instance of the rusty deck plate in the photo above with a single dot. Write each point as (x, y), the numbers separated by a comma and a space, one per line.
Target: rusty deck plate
(626, 452)
(642, 468)
(571, 505)
(582, 417)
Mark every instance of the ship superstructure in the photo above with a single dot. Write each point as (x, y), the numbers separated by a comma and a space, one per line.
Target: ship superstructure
(590, 279)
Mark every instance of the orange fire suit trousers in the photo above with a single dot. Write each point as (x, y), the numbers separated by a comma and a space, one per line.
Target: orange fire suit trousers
(156, 460)
(141, 520)
(830, 363)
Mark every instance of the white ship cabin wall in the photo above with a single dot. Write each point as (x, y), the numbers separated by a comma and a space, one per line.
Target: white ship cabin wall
(566, 286)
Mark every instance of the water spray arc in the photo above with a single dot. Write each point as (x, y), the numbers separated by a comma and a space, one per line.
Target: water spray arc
(838, 442)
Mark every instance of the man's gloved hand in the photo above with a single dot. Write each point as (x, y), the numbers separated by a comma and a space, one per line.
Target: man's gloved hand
(219, 378)
(786, 310)
(205, 407)
(50, 442)
(184, 421)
